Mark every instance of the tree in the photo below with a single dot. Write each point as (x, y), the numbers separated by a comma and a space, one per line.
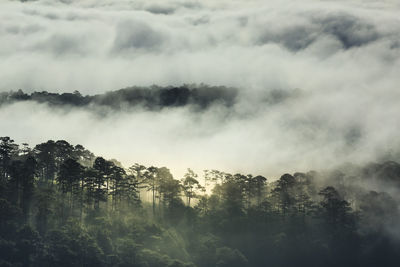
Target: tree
(190, 185)
(335, 210)
(303, 191)
(138, 174)
(130, 190)
(151, 180)
(15, 180)
(90, 187)
(63, 152)
(119, 186)
(45, 154)
(168, 188)
(83, 156)
(70, 181)
(173, 206)
(7, 150)
(104, 170)
(99, 190)
(232, 195)
(258, 187)
(203, 205)
(284, 193)
(214, 176)
(235, 226)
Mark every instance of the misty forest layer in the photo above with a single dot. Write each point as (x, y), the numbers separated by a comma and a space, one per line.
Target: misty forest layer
(244, 90)
(60, 205)
(149, 98)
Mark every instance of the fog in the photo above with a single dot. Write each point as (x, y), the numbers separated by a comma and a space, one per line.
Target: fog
(336, 63)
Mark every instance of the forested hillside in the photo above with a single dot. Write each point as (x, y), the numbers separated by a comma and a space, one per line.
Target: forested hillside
(60, 205)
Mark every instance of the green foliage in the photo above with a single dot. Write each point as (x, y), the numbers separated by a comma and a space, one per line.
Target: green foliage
(62, 206)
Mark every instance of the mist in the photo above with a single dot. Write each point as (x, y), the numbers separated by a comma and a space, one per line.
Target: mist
(317, 81)
(188, 133)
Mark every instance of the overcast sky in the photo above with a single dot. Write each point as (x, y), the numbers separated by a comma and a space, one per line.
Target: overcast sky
(338, 61)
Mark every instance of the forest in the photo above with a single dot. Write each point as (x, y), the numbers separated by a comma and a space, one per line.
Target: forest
(152, 98)
(61, 205)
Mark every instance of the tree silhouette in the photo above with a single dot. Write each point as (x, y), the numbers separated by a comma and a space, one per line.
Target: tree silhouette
(51, 214)
(284, 193)
(190, 185)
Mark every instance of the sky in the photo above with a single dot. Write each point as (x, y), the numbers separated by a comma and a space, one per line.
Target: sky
(336, 62)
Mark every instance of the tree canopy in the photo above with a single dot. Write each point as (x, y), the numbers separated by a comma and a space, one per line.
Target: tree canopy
(60, 205)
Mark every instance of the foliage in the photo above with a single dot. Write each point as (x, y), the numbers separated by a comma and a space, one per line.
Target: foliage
(60, 205)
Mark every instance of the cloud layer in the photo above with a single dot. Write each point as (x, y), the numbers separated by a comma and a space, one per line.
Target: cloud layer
(317, 80)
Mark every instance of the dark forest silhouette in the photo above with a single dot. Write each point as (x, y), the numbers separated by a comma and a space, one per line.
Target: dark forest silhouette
(150, 98)
(60, 205)
(197, 97)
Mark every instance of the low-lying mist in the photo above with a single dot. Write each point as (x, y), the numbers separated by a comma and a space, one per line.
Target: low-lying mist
(270, 133)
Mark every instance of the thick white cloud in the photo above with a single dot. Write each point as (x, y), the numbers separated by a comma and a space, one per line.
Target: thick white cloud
(344, 56)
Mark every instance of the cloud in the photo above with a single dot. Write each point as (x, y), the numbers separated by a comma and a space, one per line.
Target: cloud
(317, 81)
(348, 30)
(160, 8)
(136, 35)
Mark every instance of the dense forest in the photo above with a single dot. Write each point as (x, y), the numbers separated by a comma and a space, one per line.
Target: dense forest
(60, 205)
